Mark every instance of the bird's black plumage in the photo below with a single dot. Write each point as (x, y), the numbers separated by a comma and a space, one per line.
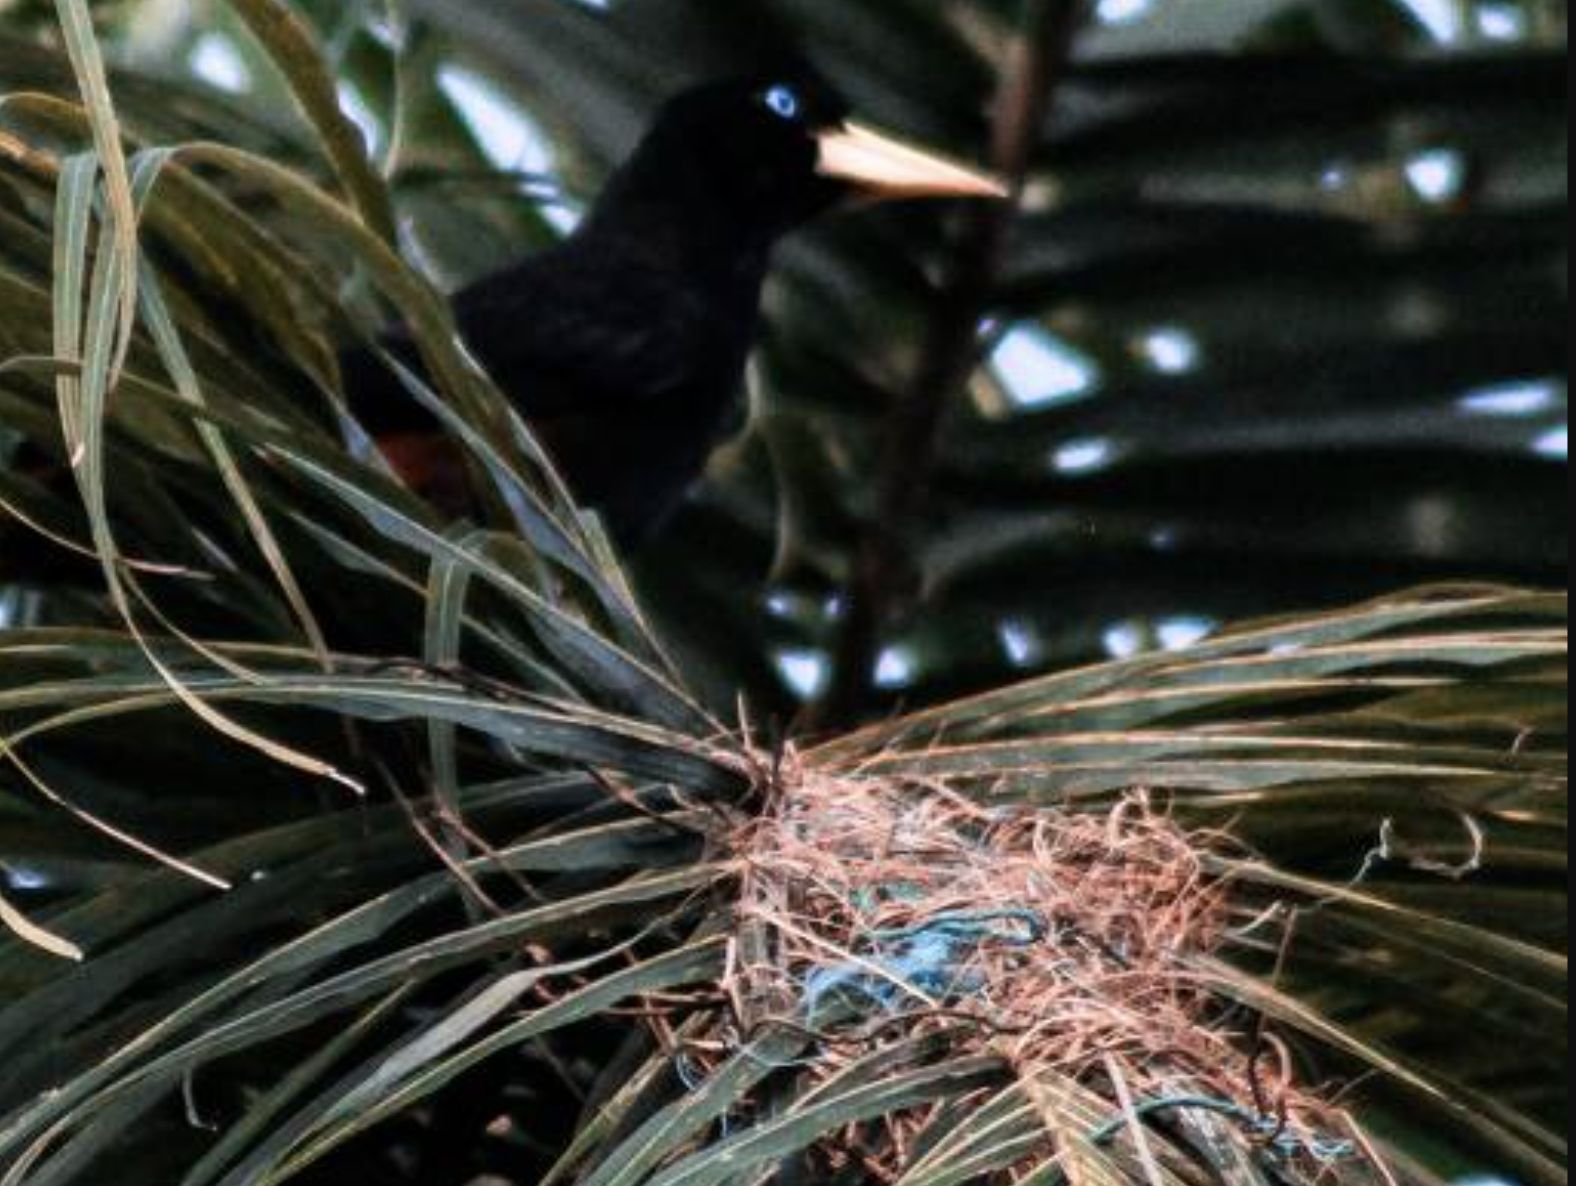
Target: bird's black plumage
(625, 345)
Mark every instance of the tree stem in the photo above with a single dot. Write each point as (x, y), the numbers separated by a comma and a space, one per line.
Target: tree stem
(882, 578)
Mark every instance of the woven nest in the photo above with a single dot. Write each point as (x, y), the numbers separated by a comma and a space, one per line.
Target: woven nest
(1074, 948)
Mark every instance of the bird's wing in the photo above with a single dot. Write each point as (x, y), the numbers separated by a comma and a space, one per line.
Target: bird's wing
(566, 330)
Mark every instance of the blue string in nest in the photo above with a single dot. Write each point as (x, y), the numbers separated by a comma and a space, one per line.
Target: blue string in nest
(928, 960)
(1326, 1151)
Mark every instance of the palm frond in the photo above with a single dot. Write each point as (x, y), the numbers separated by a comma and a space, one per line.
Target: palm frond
(532, 935)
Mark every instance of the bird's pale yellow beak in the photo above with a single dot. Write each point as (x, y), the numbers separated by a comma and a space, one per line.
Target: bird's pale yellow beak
(888, 169)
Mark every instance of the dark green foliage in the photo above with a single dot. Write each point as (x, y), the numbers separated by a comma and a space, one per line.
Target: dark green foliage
(465, 803)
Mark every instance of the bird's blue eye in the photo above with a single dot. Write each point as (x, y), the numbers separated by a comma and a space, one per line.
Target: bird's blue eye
(784, 101)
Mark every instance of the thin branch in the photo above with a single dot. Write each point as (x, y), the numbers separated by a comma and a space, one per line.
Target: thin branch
(882, 578)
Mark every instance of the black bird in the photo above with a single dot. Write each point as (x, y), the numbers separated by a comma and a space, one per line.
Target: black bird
(625, 345)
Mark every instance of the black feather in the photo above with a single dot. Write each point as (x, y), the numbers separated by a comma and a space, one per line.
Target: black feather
(625, 346)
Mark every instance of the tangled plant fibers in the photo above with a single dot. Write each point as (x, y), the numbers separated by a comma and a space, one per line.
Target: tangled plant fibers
(1070, 946)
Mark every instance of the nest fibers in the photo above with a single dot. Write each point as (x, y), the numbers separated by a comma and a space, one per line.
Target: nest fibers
(1072, 947)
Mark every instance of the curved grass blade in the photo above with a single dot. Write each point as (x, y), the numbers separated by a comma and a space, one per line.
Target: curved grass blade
(294, 49)
(29, 932)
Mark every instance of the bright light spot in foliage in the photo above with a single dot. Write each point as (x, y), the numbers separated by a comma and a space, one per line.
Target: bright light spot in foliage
(1038, 370)
(807, 673)
(1172, 351)
(216, 61)
(1084, 457)
(1514, 400)
(1503, 22)
(20, 877)
(898, 668)
(1179, 634)
(1022, 643)
(1335, 178)
(1438, 175)
(501, 126)
(18, 607)
(1124, 640)
(1443, 19)
(1555, 445)
(1123, 12)
(351, 103)
(508, 135)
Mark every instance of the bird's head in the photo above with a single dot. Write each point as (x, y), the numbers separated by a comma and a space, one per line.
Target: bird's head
(771, 153)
